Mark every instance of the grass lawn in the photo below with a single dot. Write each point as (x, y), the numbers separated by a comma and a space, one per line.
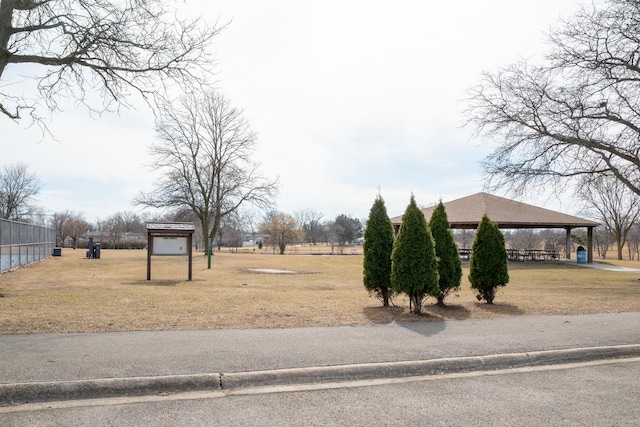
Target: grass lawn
(74, 294)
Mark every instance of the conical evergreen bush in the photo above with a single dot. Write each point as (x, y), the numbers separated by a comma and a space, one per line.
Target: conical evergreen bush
(488, 265)
(377, 247)
(449, 265)
(414, 267)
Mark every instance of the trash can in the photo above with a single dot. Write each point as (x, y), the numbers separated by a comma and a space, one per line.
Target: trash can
(96, 253)
(581, 255)
(91, 250)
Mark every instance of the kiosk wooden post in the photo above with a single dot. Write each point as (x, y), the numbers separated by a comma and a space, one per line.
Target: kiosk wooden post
(170, 239)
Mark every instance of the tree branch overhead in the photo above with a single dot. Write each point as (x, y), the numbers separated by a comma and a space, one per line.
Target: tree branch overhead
(574, 114)
(117, 47)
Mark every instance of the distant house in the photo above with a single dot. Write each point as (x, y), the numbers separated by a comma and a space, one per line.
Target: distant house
(252, 240)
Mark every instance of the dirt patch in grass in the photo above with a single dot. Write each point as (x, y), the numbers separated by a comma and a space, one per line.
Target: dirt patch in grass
(74, 294)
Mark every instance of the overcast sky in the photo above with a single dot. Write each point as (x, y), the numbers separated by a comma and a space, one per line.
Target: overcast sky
(348, 98)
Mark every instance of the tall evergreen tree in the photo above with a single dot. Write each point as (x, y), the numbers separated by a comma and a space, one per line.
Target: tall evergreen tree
(414, 267)
(488, 264)
(449, 265)
(377, 247)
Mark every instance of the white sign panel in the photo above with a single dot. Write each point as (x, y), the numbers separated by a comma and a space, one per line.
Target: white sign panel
(170, 246)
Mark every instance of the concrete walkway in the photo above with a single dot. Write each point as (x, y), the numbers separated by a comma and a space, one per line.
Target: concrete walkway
(602, 266)
(71, 366)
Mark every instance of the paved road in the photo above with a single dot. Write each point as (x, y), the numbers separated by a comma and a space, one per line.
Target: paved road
(590, 394)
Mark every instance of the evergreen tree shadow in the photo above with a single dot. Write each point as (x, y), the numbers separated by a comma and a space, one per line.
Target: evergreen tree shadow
(383, 315)
(449, 311)
(425, 323)
(500, 308)
(429, 328)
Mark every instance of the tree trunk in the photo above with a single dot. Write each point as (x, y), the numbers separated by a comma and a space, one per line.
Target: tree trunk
(6, 15)
(417, 303)
(489, 294)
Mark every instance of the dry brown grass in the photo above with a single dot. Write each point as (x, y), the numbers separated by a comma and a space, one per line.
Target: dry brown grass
(73, 294)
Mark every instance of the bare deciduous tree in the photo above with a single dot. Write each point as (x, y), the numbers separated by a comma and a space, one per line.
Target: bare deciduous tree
(464, 238)
(614, 204)
(603, 239)
(248, 219)
(526, 239)
(280, 230)
(633, 242)
(554, 240)
(59, 223)
(18, 187)
(114, 230)
(204, 151)
(345, 229)
(577, 115)
(69, 224)
(132, 222)
(77, 227)
(112, 48)
(309, 220)
(230, 232)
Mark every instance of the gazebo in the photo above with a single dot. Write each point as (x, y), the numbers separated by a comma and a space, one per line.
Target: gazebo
(466, 213)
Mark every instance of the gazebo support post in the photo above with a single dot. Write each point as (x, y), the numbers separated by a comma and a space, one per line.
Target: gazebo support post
(590, 244)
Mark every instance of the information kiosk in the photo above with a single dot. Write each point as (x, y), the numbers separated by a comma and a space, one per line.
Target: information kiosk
(169, 239)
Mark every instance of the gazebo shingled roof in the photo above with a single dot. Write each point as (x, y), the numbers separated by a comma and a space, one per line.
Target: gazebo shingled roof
(467, 212)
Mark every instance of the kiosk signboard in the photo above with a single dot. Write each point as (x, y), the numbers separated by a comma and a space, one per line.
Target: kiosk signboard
(169, 246)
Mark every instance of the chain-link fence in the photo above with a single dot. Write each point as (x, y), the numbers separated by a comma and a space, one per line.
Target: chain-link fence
(22, 243)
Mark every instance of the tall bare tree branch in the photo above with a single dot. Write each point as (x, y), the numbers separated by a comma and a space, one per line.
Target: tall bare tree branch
(204, 152)
(575, 115)
(111, 48)
(18, 187)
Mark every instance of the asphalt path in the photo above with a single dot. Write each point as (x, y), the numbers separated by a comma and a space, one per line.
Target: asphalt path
(64, 357)
(601, 266)
(55, 357)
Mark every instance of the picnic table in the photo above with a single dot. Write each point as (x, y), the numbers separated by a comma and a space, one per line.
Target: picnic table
(465, 253)
(532, 255)
(520, 255)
